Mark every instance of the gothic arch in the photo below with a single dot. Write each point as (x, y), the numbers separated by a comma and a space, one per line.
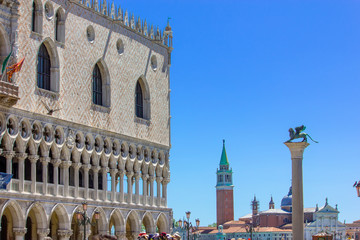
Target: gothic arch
(60, 25)
(64, 221)
(162, 223)
(117, 219)
(40, 215)
(145, 96)
(36, 17)
(132, 222)
(16, 213)
(55, 64)
(148, 222)
(105, 77)
(102, 222)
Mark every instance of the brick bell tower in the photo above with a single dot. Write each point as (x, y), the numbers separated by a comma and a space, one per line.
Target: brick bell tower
(224, 191)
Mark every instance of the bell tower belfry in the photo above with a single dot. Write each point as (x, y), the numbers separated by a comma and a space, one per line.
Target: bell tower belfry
(224, 191)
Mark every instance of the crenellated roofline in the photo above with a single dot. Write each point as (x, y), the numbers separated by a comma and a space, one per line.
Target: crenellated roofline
(123, 18)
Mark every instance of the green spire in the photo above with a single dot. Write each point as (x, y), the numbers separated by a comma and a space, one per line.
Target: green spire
(224, 159)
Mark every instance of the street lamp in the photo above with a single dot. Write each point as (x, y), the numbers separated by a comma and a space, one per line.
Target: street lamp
(188, 226)
(83, 219)
(250, 228)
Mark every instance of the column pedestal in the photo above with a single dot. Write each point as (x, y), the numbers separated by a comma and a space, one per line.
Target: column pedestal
(297, 151)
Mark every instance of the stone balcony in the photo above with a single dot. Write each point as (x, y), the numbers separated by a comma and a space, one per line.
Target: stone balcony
(9, 93)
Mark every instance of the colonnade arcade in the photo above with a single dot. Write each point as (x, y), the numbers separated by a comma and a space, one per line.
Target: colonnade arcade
(58, 221)
(53, 160)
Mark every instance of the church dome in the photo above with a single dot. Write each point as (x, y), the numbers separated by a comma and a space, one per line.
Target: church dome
(286, 202)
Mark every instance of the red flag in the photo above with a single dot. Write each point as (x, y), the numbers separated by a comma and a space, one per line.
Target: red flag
(14, 68)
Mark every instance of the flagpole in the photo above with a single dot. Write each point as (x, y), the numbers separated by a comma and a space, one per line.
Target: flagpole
(7, 63)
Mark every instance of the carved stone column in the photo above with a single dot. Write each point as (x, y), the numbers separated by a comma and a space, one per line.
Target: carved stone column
(42, 233)
(33, 159)
(297, 151)
(86, 168)
(56, 163)
(65, 171)
(144, 179)
(9, 156)
(151, 181)
(19, 233)
(137, 192)
(121, 181)
(76, 167)
(21, 157)
(45, 161)
(96, 170)
(134, 235)
(129, 185)
(120, 235)
(113, 186)
(104, 172)
(164, 192)
(65, 234)
(158, 194)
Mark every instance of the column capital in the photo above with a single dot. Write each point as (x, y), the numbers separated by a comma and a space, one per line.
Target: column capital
(145, 176)
(33, 158)
(96, 168)
(105, 169)
(113, 171)
(129, 174)
(166, 181)
(21, 156)
(159, 179)
(151, 178)
(45, 160)
(56, 162)
(8, 154)
(137, 176)
(120, 234)
(135, 235)
(65, 164)
(121, 172)
(86, 167)
(65, 233)
(76, 166)
(19, 231)
(296, 148)
(43, 232)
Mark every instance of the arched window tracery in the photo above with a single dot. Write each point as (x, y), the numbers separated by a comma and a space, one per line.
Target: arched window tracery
(43, 68)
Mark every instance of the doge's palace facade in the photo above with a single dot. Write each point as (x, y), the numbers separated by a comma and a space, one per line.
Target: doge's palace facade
(86, 119)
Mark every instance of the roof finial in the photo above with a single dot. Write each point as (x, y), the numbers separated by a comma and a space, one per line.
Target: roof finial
(224, 141)
(326, 201)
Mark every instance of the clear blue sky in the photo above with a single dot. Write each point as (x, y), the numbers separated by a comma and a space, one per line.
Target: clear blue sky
(248, 70)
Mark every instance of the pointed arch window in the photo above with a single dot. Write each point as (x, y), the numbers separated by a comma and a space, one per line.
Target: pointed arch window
(57, 23)
(97, 86)
(43, 68)
(139, 101)
(60, 26)
(36, 17)
(33, 17)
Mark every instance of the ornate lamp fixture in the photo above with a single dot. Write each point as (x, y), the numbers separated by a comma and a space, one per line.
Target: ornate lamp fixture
(189, 227)
(83, 219)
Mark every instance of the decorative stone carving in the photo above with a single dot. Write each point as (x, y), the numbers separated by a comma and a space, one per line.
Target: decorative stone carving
(70, 140)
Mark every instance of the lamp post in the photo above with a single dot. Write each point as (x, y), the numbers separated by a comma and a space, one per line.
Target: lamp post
(250, 228)
(357, 185)
(188, 226)
(83, 219)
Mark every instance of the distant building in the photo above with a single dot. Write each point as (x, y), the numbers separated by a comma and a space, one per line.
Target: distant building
(353, 230)
(224, 191)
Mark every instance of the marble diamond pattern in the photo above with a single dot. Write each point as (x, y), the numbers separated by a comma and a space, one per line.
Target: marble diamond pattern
(77, 58)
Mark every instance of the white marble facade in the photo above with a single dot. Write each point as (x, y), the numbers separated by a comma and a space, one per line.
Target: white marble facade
(61, 147)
